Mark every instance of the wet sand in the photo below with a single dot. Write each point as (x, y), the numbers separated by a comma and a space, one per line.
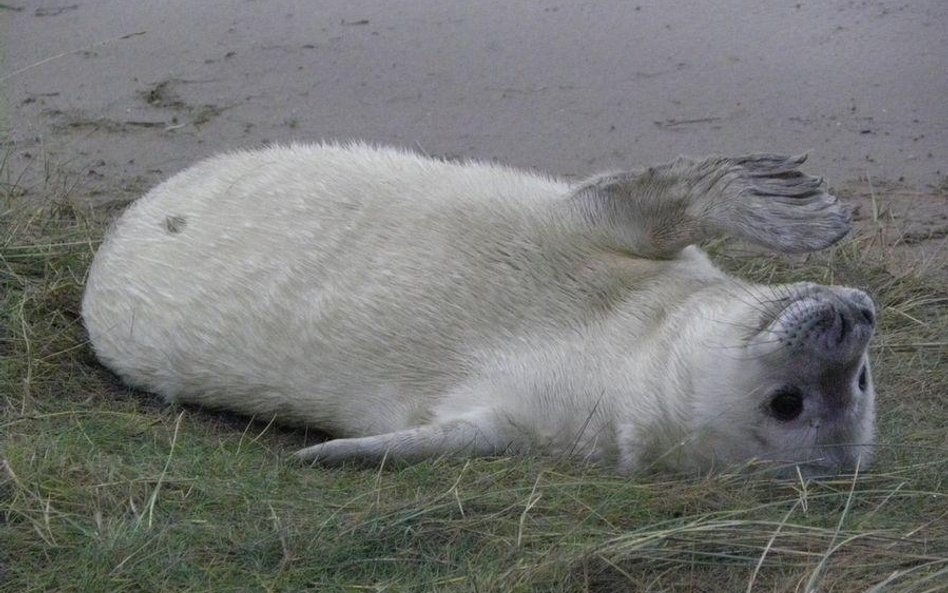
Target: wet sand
(122, 94)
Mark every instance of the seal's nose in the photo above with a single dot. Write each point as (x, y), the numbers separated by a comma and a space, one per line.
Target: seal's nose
(852, 316)
(840, 324)
(859, 304)
(857, 308)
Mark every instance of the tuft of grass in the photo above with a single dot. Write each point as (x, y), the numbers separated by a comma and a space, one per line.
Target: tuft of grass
(105, 489)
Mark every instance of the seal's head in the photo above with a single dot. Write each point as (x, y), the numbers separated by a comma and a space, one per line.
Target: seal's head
(793, 384)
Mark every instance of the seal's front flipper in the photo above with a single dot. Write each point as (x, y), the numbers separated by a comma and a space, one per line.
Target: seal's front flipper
(468, 438)
(768, 201)
(762, 198)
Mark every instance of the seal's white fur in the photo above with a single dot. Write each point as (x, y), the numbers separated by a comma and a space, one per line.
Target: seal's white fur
(414, 307)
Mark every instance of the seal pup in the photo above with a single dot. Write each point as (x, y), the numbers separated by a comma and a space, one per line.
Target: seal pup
(414, 308)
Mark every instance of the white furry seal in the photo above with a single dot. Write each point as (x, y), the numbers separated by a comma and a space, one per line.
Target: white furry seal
(414, 308)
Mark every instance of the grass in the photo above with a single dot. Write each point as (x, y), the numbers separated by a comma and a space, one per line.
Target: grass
(104, 489)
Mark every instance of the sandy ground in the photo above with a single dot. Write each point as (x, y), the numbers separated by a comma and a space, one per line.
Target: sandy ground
(121, 94)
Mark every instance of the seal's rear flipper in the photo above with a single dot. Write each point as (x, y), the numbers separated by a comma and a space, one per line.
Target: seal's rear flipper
(762, 198)
(458, 437)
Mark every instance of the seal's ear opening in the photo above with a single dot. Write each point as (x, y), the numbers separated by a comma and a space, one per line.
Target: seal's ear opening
(786, 404)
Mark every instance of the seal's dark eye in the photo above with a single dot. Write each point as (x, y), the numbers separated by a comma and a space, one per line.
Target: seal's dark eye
(786, 404)
(863, 379)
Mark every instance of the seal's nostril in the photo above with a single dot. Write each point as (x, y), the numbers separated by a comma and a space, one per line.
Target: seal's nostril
(843, 324)
(868, 315)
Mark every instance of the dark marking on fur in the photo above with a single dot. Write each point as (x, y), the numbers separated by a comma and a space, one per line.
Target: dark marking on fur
(175, 224)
